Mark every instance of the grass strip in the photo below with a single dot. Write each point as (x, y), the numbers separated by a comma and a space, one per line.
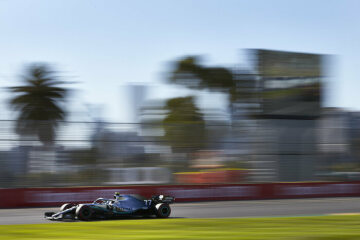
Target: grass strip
(319, 227)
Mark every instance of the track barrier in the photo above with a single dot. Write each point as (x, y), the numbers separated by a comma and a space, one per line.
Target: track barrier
(47, 197)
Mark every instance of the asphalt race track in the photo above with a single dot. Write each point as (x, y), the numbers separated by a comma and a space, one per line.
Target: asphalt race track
(263, 208)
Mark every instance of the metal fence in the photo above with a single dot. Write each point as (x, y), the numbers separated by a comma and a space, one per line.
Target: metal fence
(98, 153)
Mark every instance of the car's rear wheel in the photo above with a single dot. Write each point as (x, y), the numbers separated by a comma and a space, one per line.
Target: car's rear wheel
(66, 206)
(84, 212)
(163, 210)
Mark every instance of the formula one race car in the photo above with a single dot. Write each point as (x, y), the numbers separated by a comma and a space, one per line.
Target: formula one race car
(120, 206)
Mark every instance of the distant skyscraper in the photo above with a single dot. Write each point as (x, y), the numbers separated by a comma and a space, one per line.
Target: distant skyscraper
(137, 95)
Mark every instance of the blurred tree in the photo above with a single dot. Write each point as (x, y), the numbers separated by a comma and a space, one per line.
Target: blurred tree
(38, 103)
(189, 72)
(239, 85)
(184, 125)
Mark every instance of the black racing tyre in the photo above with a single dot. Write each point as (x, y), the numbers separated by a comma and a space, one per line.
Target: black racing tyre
(49, 214)
(66, 206)
(84, 212)
(162, 210)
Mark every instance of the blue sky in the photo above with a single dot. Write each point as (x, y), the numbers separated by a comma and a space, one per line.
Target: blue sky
(106, 44)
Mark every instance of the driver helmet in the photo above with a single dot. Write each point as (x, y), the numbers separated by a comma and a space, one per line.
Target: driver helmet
(116, 195)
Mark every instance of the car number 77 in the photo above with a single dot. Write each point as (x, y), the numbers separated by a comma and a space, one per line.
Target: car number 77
(147, 202)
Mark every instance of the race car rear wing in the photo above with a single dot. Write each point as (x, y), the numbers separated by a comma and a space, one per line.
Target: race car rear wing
(163, 199)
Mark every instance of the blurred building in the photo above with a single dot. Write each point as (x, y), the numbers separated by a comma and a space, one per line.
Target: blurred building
(117, 145)
(137, 97)
(288, 100)
(333, 135)
(339, 141)
(248, 101)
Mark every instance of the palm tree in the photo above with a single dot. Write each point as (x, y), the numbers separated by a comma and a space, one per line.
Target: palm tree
(38, 103)
(184, 125)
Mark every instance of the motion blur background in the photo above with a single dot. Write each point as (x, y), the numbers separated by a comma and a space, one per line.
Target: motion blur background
(146, 107)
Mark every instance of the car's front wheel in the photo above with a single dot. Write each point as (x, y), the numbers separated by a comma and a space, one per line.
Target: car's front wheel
(163, 210)
(66, 206)
(84, 212)
(49, 214)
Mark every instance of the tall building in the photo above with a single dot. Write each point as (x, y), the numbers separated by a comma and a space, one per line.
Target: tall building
(137, 97)
(247, 101)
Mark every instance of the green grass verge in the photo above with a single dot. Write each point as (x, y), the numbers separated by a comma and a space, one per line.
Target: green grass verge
(320, 227)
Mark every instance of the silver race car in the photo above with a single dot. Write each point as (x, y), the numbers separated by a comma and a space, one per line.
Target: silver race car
(120, 206)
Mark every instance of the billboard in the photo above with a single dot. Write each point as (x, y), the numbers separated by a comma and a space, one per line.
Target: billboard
(291, 83)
